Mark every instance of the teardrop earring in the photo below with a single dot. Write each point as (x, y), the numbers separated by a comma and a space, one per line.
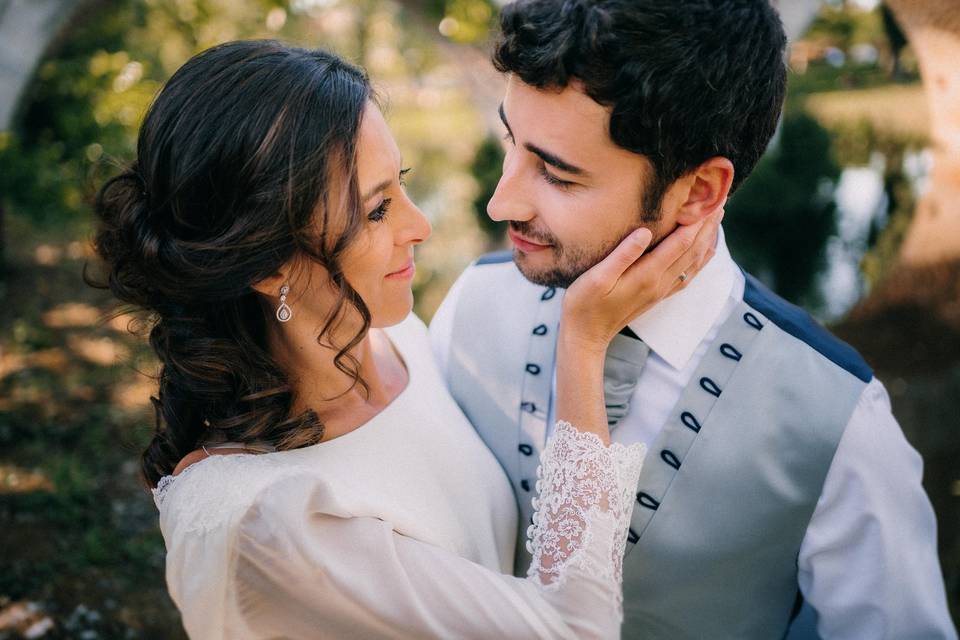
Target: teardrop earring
(284, 313)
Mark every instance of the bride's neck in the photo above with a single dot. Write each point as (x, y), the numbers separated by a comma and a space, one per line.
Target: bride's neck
(318, 383)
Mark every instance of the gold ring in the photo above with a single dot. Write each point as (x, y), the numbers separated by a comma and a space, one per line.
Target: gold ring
(683, 276)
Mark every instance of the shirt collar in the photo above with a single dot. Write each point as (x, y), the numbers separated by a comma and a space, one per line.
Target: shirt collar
(675, 327)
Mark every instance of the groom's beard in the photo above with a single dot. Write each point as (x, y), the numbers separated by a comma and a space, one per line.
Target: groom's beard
(569, 263)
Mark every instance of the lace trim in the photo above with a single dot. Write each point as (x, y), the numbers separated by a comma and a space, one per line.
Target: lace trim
(165, 483)
(160, 491)
(583, 487)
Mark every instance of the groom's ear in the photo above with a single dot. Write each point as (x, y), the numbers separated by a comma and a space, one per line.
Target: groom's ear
(706, 190)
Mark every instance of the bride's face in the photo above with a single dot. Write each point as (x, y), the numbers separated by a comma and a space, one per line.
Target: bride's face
(379, 263)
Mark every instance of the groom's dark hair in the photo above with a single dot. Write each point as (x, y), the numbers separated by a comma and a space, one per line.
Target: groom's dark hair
(687, 80)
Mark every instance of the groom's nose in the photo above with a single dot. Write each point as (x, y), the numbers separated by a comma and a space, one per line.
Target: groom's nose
(511, 199)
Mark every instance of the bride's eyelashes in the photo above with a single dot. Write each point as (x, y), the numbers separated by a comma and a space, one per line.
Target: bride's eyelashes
(378, 214)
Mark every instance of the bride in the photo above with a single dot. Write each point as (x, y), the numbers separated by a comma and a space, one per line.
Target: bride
(314, 478)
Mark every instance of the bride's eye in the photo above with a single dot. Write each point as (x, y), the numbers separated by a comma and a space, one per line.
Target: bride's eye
(378, 214)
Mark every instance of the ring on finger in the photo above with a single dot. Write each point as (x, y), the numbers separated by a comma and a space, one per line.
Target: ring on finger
(683, 276)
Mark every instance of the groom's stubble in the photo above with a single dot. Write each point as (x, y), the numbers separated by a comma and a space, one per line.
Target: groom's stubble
(573, 260)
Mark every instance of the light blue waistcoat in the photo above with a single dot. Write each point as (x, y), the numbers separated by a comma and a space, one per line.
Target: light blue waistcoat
(729, 485)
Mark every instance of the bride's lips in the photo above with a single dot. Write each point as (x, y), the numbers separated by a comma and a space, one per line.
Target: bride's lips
(405, 273)
(525, 245)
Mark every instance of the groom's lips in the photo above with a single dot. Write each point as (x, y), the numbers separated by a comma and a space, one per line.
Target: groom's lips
(525, 245)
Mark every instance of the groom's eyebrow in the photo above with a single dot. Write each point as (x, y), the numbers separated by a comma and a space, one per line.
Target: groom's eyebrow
(549, 158)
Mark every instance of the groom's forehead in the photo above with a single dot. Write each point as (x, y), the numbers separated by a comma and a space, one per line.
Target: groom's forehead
(562, 116)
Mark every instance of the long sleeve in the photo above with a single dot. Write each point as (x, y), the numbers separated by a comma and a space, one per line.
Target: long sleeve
(868, 562)
(300, 571)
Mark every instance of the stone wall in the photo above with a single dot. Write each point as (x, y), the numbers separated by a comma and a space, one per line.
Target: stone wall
(27, 28)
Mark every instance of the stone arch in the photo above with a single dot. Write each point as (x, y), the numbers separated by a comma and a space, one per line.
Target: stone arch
(28, 30)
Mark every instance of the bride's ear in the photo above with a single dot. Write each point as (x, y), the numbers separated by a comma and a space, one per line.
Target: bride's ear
(708, 187)
(270, 286)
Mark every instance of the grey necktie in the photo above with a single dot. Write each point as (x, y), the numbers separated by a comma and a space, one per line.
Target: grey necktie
(621, 368)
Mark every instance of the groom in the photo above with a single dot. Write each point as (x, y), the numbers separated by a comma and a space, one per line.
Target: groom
(779, 497)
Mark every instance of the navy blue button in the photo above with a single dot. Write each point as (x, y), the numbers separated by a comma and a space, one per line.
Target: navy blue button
(670, 458)
(710, 387)
(752, 320)
(529, 407)
(549, 293)
(526, 449)
(730, 351)
(540, 330)
(525, 485)
(648, 501)
(533, 369)
(690, 421)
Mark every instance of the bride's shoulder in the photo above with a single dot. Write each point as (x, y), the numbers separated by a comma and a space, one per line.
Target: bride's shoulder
(217, 491)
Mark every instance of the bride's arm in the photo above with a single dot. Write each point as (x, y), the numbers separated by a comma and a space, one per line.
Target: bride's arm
(301, 572)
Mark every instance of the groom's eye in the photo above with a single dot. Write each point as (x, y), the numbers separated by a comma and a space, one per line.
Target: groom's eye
(554, 180)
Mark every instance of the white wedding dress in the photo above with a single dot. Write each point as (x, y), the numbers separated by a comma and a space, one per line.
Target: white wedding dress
(402, 528)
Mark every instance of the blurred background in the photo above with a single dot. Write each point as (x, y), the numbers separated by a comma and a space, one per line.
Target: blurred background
(854, 213)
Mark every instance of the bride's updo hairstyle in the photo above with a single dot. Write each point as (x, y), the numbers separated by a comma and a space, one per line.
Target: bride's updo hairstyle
(245, 163)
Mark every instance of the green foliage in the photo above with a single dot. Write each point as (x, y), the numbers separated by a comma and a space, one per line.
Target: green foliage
(779, 220)
(843, 25)
(486, 169)
(853, 145)
(80, 116)
(463, 21)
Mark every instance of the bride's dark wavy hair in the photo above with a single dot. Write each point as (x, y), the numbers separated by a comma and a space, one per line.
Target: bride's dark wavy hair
(245, 163)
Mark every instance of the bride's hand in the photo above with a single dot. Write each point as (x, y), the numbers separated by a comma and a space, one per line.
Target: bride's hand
(630, 280)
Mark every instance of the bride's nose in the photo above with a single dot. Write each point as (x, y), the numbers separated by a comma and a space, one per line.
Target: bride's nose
(414, 227)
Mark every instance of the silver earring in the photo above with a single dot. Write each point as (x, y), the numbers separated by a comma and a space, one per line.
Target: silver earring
(284, 313)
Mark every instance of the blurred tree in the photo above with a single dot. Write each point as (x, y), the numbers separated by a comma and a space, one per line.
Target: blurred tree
(933, 27)
(779, 221)
(927, 270)
(896, 39)
(486, 169)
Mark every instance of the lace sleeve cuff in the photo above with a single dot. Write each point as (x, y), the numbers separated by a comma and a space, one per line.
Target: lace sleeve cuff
(586, 496)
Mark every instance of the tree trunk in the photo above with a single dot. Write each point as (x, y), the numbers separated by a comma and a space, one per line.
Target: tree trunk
(933, 28)
(926, 277)
(910, 321)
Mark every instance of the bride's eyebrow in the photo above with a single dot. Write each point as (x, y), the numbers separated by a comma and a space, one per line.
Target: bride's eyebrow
(377, 189)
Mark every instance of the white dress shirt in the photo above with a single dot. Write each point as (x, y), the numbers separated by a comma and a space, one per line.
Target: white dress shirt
(868, 562)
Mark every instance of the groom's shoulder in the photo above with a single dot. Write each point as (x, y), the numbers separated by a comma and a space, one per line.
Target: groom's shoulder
(496, 257)
(498, 271)
(796, 322)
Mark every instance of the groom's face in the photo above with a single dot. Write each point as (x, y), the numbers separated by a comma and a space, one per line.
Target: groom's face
(568, 192)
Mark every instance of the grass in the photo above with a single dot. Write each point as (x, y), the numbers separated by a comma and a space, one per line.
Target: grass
(87, 556)
(899, 110)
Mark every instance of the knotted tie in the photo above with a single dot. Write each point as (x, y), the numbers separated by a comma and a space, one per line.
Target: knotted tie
(625, 358)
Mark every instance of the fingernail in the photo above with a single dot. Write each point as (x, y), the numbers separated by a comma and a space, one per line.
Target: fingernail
(642, 236)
